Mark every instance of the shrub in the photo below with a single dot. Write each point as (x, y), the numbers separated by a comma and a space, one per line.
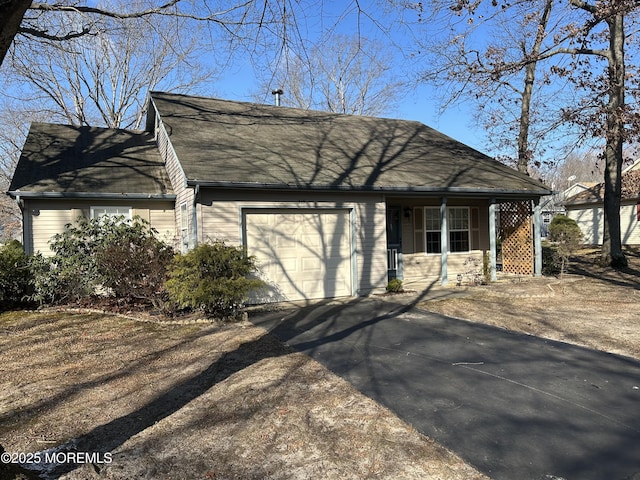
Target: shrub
(395, 286)
(565, 233)
(45, 281)
(213, 278)
(15, 275)
(550, 259)
(120, 258)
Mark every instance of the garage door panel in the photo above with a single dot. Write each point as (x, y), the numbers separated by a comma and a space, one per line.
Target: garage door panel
(302, 254)
(311, 265)
(281, 241)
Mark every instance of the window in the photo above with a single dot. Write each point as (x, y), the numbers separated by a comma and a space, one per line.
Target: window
(112, 211)
(432, 230)
(459, 229)
(184, 227)
(184, 218)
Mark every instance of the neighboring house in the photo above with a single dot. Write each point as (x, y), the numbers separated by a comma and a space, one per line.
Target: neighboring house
(331, 205)
(554, 204)
(587, 209)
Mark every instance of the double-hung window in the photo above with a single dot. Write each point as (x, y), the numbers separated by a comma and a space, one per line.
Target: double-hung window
(433, 236)
(458, 225)
(458, 218)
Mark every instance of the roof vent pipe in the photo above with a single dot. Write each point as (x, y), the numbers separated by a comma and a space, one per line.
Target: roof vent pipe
(277, 94)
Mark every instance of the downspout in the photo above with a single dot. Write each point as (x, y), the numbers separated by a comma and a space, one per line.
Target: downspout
(444, 243)
(492, 240)
(194, 223)
(25, 234)
(537, 238)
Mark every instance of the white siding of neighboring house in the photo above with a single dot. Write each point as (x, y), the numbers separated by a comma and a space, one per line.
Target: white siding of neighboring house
(590, 220)
(220, 217)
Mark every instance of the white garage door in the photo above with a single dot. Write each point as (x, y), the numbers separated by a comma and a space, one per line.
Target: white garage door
(302, 253)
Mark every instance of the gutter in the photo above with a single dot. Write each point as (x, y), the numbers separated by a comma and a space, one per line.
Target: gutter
(462, 191)
(17, 194)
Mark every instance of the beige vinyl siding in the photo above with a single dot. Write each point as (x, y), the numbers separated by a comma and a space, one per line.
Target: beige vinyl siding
(45, 223)
(44, 219)
(629, 225)
(220, 218)
(184, 195)
(163, 220)
(419, 267)
(590, 219)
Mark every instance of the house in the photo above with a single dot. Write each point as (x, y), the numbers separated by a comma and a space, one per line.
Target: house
(331, 205)
(587, 209)
(554, 204)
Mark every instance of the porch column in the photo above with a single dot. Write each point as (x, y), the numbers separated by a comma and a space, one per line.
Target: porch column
(444, 242)
(537, 238)
(492, 239)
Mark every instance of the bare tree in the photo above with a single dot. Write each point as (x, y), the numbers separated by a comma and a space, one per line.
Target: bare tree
(579, 38)
(103, 79)
(12, 135)
(577, 167)
(612, 115)
(344, 74)
(30, 19)
(489, 59)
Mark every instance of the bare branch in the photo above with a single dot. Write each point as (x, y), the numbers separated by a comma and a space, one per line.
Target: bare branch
(34, 32)
(160, 10)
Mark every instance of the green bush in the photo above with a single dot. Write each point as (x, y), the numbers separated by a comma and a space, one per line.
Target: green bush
(566, 236)
(213, 278)
(133, 264)
(119, 258)
(15, 275)
(550, 260)
(395, 286)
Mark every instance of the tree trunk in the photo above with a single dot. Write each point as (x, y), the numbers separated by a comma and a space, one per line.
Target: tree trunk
(612, 243)
(11, 14)
(524, 153)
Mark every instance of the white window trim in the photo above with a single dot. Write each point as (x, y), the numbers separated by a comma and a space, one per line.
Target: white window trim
(450, 229)
(428, 230)
(185, 237)
(127, 216)
(184, 217)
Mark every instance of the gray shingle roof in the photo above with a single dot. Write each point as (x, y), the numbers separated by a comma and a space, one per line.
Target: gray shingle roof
(69, 160)
(222, 142)
(595, 194)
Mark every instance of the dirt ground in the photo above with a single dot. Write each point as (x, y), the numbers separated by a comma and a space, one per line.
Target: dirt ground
(226, 401)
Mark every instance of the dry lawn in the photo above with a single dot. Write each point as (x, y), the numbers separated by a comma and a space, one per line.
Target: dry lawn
(590, 306)
(201, 401)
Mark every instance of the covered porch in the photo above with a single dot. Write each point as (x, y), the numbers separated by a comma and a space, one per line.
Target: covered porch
(452, 239)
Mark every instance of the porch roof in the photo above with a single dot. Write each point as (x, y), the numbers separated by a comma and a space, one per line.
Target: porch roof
(245, 145)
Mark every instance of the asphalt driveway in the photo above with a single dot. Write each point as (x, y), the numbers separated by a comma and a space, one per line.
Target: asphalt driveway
(512, 405)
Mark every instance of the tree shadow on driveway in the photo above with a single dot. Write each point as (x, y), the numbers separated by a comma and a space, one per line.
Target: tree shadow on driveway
(510, 404)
